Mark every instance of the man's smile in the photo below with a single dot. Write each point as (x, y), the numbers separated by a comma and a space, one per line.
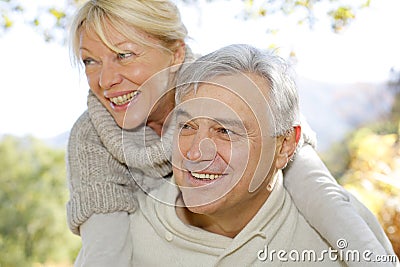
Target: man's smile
(205, 176)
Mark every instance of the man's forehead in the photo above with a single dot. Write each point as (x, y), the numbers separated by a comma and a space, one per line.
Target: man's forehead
(228, 98)
(245, 85)
(208, 107)
(249, 87)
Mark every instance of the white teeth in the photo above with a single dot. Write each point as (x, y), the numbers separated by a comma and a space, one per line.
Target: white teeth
(123, 99)
(205, 175)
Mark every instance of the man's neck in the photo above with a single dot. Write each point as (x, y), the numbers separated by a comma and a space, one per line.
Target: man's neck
(228, 223)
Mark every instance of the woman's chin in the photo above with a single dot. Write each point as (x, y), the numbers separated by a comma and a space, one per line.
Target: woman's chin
(129, 125)
(131, 121)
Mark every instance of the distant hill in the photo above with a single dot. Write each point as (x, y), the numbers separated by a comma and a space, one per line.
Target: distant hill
(333, 109)
(59, 141)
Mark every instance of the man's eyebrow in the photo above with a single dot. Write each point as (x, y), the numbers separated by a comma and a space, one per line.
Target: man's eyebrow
(230, 122)
(180, 112)
(222, 121)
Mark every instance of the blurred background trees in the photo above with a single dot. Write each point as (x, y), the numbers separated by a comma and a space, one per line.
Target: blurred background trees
(33, 195)
(367, 163)
(51, 20)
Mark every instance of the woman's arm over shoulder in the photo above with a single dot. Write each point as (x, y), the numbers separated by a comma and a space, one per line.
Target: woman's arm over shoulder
(97, 182)
(80, 131)
(105, 241)
(327, 207)
(376, 228)
(307, 174)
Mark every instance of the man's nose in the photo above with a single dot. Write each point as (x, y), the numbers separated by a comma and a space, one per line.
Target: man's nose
(201, 154)
(109, 75)
(202, 148)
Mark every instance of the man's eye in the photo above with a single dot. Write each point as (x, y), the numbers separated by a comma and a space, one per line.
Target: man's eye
(230, 135)
(185, 129)
(184, 126)
(225, 131)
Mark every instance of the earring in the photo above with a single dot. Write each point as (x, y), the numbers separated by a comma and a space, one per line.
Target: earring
(287, 160)
(284, 165)
(271, 184)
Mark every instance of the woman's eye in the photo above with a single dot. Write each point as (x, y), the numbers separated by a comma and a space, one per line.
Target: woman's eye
(88, 61)
(125, 55)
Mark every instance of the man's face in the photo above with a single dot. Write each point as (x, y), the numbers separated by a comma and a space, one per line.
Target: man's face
(223, 149)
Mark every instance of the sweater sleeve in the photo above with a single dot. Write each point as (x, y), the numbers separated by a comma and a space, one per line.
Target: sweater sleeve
(106, 241)
(94, 188)
(327, 207)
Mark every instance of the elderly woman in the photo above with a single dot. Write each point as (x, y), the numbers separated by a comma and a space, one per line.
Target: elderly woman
(121, 45)
(121, 143)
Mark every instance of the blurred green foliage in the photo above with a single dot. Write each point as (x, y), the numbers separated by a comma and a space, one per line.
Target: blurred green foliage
(373, 175)
(33, 195)
(341, 13)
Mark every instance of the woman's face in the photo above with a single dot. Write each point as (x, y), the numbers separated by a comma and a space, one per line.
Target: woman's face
(117, 78)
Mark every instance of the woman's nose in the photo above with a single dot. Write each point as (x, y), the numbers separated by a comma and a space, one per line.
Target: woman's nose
(109, 76)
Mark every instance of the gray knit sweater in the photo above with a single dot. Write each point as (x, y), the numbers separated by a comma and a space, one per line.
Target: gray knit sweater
(98, 155)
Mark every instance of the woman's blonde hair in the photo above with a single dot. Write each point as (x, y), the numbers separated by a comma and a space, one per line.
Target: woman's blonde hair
(159, 19)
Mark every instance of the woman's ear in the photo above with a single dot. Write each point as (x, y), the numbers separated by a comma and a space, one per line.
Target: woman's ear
(178, 56)
(288, 147)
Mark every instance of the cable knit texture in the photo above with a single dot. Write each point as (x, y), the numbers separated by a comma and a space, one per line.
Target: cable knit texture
(99, 153)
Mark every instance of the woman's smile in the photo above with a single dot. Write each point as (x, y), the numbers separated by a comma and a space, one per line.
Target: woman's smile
(121, 100)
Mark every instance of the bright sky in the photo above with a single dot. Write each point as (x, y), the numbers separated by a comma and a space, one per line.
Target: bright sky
(43, 94)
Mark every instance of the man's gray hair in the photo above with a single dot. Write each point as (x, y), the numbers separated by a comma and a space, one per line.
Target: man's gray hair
(241, 58)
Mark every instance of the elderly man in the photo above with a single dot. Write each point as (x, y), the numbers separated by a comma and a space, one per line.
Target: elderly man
(226, 204)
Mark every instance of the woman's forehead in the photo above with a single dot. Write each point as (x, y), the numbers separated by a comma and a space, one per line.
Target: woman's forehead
(113, 33)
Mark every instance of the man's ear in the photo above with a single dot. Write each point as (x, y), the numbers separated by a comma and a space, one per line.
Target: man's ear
(288, 147)
(178, 56)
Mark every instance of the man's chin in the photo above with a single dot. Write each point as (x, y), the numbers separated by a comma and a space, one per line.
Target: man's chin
(200, 203)
(205, 209)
